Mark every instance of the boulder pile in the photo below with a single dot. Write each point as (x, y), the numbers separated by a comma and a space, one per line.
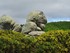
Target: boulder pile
(34, 25)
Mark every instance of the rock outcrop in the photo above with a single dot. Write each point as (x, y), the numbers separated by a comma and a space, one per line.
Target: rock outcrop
(35, 23)
(37, 17)
(6, 23)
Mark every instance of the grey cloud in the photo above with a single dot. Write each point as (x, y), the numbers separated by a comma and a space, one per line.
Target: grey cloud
(20, 8)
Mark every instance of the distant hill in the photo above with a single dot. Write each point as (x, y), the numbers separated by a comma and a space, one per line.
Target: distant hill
(57, 26)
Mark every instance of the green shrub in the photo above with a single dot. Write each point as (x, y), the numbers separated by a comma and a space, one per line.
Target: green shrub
(51, 42)
(57, 41)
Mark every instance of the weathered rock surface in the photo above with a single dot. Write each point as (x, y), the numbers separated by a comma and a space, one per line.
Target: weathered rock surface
(6, 23)
(28, 27)
(17, 28)
(37, 17)
(35, 23)
(35, 33)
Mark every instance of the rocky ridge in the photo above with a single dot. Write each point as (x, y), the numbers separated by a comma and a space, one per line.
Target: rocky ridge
(35, 23)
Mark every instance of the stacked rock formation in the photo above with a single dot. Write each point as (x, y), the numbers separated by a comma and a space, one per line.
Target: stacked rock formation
(35, 23)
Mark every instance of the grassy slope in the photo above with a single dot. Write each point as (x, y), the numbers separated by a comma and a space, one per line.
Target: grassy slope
(57, 26)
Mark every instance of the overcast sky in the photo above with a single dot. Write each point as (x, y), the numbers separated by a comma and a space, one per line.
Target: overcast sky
(54, 10)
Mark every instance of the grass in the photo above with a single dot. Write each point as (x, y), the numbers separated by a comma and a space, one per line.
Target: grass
(57, 26)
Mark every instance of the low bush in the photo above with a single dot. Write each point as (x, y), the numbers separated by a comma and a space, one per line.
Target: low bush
(57, 41)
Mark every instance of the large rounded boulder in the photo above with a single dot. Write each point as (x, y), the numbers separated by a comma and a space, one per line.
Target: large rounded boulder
(6, 23)
(29, 26)
(38, 17)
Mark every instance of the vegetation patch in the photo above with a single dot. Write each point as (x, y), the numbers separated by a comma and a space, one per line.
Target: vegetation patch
(56, 41)
(57, 26)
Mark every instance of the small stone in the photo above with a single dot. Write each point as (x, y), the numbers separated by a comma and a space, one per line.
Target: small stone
(38, 29)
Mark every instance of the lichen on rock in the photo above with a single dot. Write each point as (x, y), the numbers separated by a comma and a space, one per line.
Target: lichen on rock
(6, 22)
(37, 17)
(35, 23)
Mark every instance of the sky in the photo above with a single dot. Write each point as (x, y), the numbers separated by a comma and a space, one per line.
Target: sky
(54, 10)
